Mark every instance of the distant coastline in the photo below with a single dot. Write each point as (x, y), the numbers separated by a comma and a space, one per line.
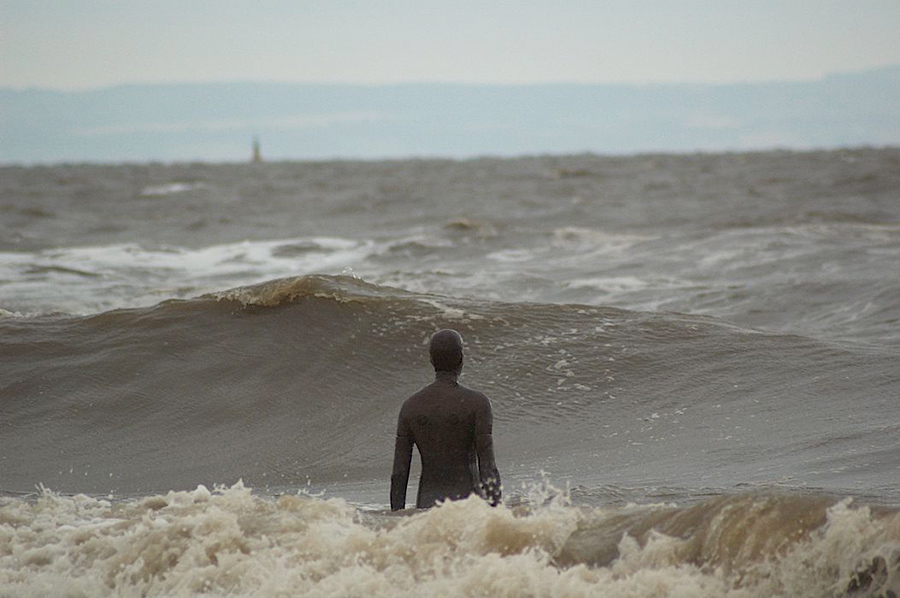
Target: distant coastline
(216, 122)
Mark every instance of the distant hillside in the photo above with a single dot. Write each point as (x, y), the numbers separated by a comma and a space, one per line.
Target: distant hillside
(217, 122)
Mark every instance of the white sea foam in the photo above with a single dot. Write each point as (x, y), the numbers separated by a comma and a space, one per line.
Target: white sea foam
(171, 189)
(514, 255)
(577, 236)
(232, 543)
(91, 279)
(612, 284)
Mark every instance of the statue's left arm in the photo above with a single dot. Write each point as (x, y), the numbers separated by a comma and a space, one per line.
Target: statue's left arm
(484, 447)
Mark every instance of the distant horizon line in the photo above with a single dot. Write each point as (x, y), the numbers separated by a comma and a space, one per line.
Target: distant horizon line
(451, 158)
(437, 83)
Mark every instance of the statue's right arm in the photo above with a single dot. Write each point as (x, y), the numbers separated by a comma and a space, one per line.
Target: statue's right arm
(402, 458)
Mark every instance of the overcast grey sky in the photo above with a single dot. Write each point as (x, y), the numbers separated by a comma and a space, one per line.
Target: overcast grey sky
(80, 44)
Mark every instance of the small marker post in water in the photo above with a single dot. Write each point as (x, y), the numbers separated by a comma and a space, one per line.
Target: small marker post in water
(257, 156)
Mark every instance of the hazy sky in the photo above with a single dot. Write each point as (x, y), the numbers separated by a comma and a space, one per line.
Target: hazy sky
(72, 44)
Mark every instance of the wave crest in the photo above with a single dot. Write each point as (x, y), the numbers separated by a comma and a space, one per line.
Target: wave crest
(282, 291)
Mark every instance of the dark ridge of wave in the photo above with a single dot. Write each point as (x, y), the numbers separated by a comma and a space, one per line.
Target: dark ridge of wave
(300, 379)
(39, 269)
(35, 212)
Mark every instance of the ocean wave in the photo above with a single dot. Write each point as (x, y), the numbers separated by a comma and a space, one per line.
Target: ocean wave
(300, 379)
(233, 542)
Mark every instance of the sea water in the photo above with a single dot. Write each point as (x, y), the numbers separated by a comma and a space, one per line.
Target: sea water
(692, 362)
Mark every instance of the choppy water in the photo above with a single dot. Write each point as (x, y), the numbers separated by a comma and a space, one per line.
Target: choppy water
(701, 351)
